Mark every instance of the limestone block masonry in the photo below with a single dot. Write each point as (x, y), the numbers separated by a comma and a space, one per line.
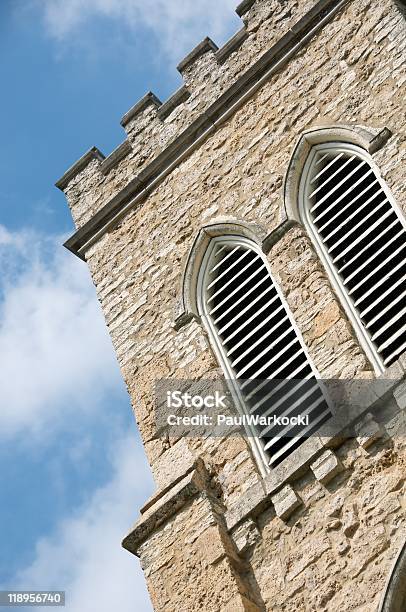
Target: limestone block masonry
(323, 529)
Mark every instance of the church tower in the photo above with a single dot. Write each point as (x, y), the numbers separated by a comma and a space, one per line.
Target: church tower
(250, 231)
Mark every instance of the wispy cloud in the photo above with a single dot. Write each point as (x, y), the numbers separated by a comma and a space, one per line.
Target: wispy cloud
(56, 363)
(83, 555)
(54, 348)
(177, 25)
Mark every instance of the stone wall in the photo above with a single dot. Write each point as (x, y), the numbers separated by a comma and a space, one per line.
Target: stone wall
(336, 551)
(325, 541)
(352, 71)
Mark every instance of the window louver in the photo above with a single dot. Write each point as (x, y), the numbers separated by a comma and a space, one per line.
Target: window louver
(262, 352)
(364, 240)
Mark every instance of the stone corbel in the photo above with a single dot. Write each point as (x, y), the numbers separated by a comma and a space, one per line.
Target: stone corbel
(165, 503)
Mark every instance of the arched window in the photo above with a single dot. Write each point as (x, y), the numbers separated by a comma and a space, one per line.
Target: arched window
(258, 345)
(361, 237)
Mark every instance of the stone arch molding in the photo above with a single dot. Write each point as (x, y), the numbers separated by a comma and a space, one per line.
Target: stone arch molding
(394, 595)
(186, 305)
(370, 139)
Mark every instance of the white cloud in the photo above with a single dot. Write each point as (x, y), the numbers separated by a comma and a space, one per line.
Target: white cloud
(83, 556)
(55, 353)
(178, 25)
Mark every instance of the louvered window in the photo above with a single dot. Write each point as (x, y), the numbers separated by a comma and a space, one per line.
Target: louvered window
(258, 345)
(361, 235)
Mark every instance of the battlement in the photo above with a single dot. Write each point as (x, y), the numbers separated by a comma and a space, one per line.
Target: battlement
(149, 100)
(159, 135)
(206, 46)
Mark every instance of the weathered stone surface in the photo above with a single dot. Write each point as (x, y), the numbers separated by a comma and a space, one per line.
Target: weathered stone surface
(241, 604)
(396, 429)
(367, 546)
(188, 565)
(285, 501)
(305, 556)
(368, 431)
(293, 466)
(173, 464)
(245, 536)
(326, 467)
(164, 505)
(400, 395)
(247, 504)
(394, 373)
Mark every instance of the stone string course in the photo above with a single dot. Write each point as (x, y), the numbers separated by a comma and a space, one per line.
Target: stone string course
(318, 538)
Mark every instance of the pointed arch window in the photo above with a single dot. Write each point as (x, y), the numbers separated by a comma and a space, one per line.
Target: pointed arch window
(256, 341)
(360, 235)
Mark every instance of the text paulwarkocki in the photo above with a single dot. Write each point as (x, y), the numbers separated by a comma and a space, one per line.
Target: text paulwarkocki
(238, 420)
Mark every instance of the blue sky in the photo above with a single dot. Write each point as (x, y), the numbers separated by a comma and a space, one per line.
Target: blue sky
(73, 472)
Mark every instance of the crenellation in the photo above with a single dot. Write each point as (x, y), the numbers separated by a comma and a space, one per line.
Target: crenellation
(205, 46)
(244, 6)
(92, 154)
(116, 156)
(149, 100)
(141, 124)
(232, 45)
(177, 98)
(209, 73)
(81, 186)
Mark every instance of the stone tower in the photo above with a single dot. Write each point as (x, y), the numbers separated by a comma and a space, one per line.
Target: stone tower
(302, 109)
